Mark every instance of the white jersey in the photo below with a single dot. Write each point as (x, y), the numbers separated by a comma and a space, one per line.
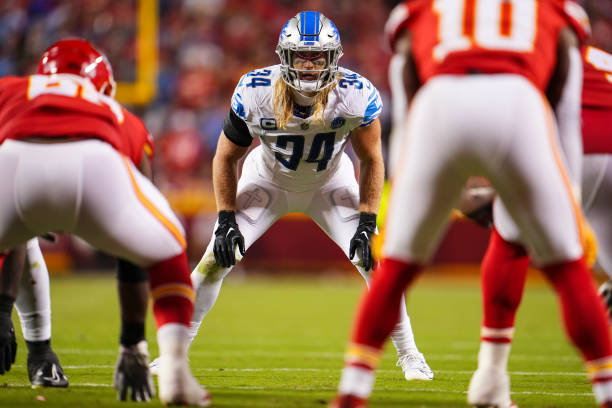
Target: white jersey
(306, 152)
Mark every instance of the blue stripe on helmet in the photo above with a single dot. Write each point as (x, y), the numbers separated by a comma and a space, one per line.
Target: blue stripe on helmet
(309, 26)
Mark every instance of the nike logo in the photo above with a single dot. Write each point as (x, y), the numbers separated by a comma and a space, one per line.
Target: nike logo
(365, 234)
(229, 232)
(54, 375)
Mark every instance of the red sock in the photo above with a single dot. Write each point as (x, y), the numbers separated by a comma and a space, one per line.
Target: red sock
(583, 312)
(378, 312)
(171, 291)
(503, 274)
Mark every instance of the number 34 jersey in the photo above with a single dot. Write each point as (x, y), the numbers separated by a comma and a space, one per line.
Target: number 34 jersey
(66, 105)
(306, 152)
(486, 36)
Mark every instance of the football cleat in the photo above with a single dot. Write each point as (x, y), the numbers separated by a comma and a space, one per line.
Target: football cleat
(605, 291)
(44, 370)
(490, 388)
(415, 367)
(177, 386)
(348, 401)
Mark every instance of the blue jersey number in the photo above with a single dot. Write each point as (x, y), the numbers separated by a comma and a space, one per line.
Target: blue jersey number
(257, 80)
(322, 141)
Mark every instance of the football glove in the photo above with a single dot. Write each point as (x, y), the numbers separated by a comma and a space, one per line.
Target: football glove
(132, 372)
(362, 238)
(227, 236)
(8, 344)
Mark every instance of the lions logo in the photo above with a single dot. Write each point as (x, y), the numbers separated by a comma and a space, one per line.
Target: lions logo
(338, 123)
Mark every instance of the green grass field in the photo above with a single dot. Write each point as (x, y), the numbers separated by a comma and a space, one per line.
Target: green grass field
(273, 342)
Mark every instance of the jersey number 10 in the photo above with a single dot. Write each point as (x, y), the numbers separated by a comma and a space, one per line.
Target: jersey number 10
(505, 25)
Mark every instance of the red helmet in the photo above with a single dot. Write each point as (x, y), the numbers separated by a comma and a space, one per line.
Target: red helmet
(79, 57)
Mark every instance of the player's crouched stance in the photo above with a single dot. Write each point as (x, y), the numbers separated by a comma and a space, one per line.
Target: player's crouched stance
(304, 111)
(64, 166)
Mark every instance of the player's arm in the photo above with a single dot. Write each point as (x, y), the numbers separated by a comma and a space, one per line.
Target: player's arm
(145, 166)
(11, 264)
(564, 93)
(233, 144)
(403, 54)
(366, 143)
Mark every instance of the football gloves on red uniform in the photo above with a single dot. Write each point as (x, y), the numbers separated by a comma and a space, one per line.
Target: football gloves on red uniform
(227, 236)
(362, 239)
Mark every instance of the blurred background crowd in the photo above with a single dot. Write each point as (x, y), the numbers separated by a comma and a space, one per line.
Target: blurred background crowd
(203, 48)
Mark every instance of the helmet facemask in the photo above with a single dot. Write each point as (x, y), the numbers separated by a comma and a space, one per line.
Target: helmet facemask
(308, 38)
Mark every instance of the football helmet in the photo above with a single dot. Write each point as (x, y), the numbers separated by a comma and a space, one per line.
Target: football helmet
(308, 35)
(79, 57)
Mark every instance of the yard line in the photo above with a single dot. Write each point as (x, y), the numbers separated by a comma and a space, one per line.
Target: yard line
(377, 389)
(320, 354)
(322, 370)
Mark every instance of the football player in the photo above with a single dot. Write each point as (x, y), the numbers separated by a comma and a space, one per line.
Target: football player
(304, 111)
(504, 267)
(65, 166)
(476, 74)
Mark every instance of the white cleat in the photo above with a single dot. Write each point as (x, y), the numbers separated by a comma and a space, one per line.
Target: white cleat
(177, 386)
(154, 366)
(490, 388)
(415, 367)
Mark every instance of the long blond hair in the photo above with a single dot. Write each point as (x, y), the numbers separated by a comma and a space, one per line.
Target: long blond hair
(283, 103)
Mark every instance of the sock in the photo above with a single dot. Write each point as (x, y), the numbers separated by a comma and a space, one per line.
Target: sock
(38, 347)
(33, 303)
(379, 310)
(583, 312)
(402, 335)
(171, 291)
(600, 375)
(206, 296)
(503, 274)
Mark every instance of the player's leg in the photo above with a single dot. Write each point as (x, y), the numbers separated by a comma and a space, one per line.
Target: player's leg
(537, 174)
(128, 217)
(503, 274)
(34, 308)
(597, 198)
(414, 229)
(335, 208)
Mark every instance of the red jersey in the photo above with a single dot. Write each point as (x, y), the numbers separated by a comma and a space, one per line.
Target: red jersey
(68, 105)
(487, 36)
(597, 101)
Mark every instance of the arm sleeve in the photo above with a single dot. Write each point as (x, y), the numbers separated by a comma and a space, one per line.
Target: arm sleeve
(236, 130)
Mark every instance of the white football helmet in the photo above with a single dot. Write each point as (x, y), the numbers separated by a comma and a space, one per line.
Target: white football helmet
(308, 32)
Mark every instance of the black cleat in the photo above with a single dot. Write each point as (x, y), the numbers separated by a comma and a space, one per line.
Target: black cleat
(45, 370)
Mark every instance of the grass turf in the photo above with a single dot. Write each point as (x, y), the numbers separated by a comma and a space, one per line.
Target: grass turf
(279, 342)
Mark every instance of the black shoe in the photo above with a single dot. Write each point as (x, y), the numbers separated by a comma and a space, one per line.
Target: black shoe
(45, 370)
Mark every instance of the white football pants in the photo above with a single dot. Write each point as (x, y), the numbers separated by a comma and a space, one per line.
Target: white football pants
(334, 206)
(497, 126)
(86, 188)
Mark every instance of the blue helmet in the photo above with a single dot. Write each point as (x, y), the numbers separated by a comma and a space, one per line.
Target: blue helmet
(309, 32)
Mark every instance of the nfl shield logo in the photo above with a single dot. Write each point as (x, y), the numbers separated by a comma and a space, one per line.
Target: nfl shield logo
(304, 126)
(338, 123)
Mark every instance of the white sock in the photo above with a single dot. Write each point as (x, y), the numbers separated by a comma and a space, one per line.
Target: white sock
(356, 381)
(402, 335)
(173, 340)
(206, 295)
(33, 303)
(493, 355)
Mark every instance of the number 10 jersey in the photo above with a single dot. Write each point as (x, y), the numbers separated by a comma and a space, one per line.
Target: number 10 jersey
(306, 152)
